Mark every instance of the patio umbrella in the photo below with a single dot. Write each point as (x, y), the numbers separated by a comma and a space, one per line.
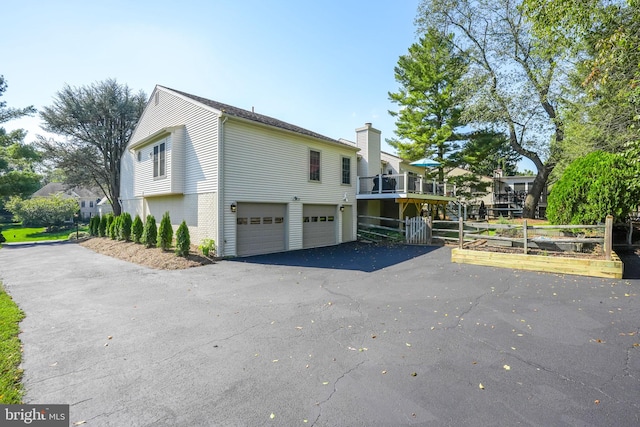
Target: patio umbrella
(425, 163)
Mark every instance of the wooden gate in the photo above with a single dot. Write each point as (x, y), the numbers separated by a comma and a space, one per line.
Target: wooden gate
(418, 230)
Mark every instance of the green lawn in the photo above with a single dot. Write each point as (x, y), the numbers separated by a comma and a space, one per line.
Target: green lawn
(10, 354)
(17, 233)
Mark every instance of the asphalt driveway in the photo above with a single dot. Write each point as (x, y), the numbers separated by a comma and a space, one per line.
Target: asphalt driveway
(353, 335)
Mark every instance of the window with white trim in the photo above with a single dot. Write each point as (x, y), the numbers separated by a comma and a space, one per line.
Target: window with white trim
(314, 165)
(159, 160)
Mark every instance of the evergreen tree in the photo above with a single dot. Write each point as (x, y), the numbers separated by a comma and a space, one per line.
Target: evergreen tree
(183, 241)
(165, 233)
(150, 234)
(429, 121)
(102, 229)
(137, 229)
(592, 187)
(126, 224)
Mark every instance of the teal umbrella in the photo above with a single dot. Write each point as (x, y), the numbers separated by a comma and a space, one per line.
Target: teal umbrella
(425, 163)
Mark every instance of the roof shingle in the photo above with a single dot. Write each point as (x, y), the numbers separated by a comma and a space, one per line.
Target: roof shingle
(259, 118)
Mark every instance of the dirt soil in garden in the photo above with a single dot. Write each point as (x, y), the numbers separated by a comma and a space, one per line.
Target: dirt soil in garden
(149, 257)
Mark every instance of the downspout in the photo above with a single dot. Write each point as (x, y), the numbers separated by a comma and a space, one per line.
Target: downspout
(221, 239)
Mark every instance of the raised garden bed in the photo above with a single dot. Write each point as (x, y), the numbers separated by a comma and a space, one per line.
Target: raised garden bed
(565, 264)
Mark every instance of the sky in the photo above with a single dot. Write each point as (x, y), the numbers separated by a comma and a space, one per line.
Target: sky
(326, 66)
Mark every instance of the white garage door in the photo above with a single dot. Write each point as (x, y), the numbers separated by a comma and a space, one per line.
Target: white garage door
(318, 225)
(260, 228)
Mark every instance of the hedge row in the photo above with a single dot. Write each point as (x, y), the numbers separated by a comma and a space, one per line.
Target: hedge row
(124, 228)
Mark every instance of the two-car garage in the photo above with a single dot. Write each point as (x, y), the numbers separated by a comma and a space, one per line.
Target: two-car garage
(262, 227)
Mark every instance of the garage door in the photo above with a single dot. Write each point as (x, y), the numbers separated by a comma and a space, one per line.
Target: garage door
(318, 226)
(260, 228)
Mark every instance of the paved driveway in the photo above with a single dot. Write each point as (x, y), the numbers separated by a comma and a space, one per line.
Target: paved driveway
(346, 336)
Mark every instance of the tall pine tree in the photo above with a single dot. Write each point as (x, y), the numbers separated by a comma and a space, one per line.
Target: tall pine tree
(428, 122)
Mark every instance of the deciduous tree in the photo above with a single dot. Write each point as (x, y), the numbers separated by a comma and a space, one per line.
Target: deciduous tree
(96, 122)
(513, 81)
(17, 159)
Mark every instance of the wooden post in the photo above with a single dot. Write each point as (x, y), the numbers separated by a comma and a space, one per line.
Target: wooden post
(526, 237)
(460, 233)
(608, 237)
(430, 230)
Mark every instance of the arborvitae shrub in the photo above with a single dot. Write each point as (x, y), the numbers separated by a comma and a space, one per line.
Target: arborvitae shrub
(183, 241)
(94, 225)
(125, 225)
(102, 230)
(150, 234)
(110, 219)
(137, 229)
(165, 234)
(113, 228)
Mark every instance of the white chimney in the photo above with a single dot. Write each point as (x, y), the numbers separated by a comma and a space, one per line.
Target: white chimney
(368, 141)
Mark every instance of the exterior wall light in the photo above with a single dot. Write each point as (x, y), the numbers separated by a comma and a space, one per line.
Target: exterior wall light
(341, 208)
(234, 207)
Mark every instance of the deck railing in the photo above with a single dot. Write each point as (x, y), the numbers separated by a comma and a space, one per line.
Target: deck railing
(402, 183)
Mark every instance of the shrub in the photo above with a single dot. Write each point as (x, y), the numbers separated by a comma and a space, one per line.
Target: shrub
(79, 235)
(110, 219)
(94, 225)
(165, 234)
(125, 225)
(42, 211)
(137, 229)
(183, 241)
(102, 229)
(208, 246)
(113, 227)
(150, 233)
(591, 188)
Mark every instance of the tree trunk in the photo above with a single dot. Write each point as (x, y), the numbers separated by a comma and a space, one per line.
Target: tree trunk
(533, 196)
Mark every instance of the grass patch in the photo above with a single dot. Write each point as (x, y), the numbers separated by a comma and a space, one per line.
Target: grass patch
(16, 233)
(10, 352)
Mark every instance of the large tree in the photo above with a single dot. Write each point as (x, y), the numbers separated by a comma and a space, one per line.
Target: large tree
(513, 80)
(485, 151)
(17, 159)
(606, 33)
(428, 122)
(97, 122)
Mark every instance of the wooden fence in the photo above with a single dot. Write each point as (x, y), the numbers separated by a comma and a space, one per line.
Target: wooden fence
(423, 230)
(539, 235)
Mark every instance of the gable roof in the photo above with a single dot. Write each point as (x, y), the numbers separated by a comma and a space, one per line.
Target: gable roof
(66, 191)
(232, 111)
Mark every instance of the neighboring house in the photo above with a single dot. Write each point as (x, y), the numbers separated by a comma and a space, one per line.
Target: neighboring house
(252, 183)
(509, 193)
(104, 206)
(87, 199)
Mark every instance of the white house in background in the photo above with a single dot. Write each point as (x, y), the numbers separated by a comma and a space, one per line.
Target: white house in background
(87, 199)
(104, 206)
(252, 183)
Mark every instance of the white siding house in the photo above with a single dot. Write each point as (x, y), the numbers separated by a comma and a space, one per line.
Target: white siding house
(252, 183)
